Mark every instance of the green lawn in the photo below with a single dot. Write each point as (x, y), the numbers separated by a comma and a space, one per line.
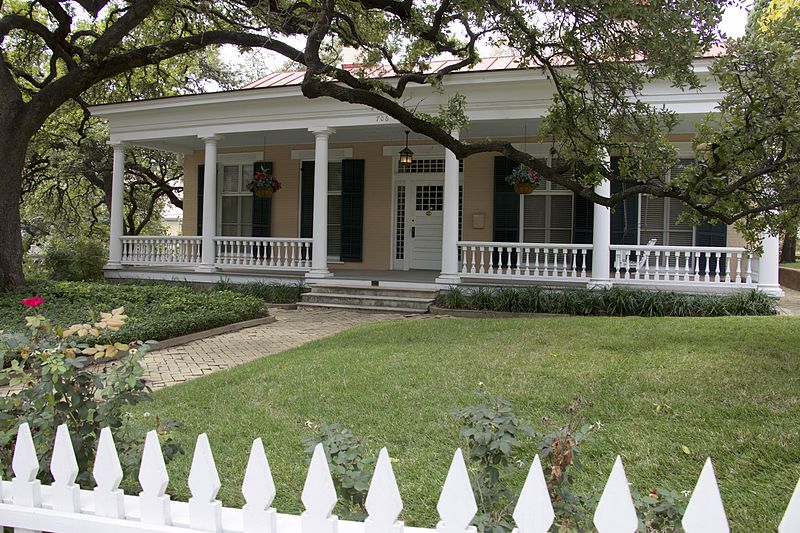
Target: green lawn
(157, 311)
(791, 265)
(728, 388)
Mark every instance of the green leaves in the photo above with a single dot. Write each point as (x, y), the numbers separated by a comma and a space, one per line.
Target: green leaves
(350, 466)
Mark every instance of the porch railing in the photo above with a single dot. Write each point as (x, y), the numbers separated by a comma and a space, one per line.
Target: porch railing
(258, 252)
(684, 264)
(158, 250)
(530, 260)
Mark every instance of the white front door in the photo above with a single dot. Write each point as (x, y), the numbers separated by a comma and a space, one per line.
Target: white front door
(424, 218)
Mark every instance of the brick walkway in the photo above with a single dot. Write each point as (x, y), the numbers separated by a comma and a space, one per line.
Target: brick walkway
(293, 328)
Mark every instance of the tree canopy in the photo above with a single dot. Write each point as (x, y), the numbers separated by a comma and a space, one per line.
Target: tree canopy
(598, 56)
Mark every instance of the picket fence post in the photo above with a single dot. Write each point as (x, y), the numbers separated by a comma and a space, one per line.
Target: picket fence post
(154, 503)
(457, 505)
(205, 511)
(109, 500)
(319, 496)
(26, 490)
(615, 511)
(64, 467)
(383, 499)
(258, 489)
(534, 510)
(705, 512)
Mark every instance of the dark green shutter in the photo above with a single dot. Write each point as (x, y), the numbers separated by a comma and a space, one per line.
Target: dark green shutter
(262, 207)
(307, 200)
(200, 184)
(583, 228)
(506, 203)
(352, 240)
(625, 216)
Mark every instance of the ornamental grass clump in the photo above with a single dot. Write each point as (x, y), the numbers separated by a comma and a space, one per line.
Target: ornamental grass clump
(52, 382)
(608, 302)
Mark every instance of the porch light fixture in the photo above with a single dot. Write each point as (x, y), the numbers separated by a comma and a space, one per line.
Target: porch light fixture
(406, 155)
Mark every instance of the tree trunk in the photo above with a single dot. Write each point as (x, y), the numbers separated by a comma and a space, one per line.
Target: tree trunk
(12, 159)
(789, 247)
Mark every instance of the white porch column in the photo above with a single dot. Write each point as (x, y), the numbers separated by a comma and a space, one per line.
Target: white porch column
(768, 266)
(449, 273)
(117, 202)
(209, 204)
(319, 236)
(601, 240)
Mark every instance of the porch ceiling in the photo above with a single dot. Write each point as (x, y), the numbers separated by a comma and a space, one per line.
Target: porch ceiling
(390, 132)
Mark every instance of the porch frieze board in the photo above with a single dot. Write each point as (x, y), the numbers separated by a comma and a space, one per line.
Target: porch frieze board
(334, 154)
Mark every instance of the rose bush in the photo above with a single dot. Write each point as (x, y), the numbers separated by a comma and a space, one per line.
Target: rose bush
(50, 382)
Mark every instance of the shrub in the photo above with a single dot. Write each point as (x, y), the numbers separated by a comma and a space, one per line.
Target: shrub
(158, 310)
(493, 433)
(351, 469)
(52, 386)
(609, 302)
(75, 259)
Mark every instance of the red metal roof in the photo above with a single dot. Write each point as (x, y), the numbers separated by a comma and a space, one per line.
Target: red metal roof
(486, 64)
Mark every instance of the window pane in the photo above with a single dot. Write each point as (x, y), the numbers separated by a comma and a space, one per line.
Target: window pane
(247, 209)
(534, 218)
(230, 230)
(230, 178)
(652, 216)
(561, 236)
(247, 216)
(676, 208)
(680, 238)
(230, 210)
(647, 236)
(534, 211)
(335, 176)
(561, 212)
(247, 176)
(334, 225)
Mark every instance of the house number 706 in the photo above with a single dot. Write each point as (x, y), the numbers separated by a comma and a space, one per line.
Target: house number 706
(383, 118)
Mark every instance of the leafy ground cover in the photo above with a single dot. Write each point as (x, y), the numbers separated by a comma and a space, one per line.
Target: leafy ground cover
(157, 311)
(668, 392)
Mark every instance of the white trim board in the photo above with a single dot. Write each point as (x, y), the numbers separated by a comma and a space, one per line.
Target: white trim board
(334, 154)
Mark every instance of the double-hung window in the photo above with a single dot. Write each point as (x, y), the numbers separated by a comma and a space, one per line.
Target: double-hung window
(547, 214)
(236, 202)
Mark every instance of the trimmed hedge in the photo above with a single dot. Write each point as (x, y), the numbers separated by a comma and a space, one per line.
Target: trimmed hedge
(157, 311)
(607, 302)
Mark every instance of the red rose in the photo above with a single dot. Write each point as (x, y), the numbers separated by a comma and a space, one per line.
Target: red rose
(36, 301)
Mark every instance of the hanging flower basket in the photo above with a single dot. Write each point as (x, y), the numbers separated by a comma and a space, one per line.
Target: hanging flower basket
(524, 188)
(264, 184)
(524, 180)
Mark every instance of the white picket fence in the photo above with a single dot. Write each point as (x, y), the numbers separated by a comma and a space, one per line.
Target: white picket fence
(63, 507)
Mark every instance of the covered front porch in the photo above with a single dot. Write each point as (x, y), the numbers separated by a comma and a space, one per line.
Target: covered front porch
(350, 212)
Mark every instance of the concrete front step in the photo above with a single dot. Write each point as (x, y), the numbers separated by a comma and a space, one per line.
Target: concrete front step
(369, 298)
(367, 301)
(365, 290)
(309, 305)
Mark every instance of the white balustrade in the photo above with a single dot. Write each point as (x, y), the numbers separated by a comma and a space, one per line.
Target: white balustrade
(26, 505)
(270, 252)
(149, 250)
(683, 265)
(524, 260)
